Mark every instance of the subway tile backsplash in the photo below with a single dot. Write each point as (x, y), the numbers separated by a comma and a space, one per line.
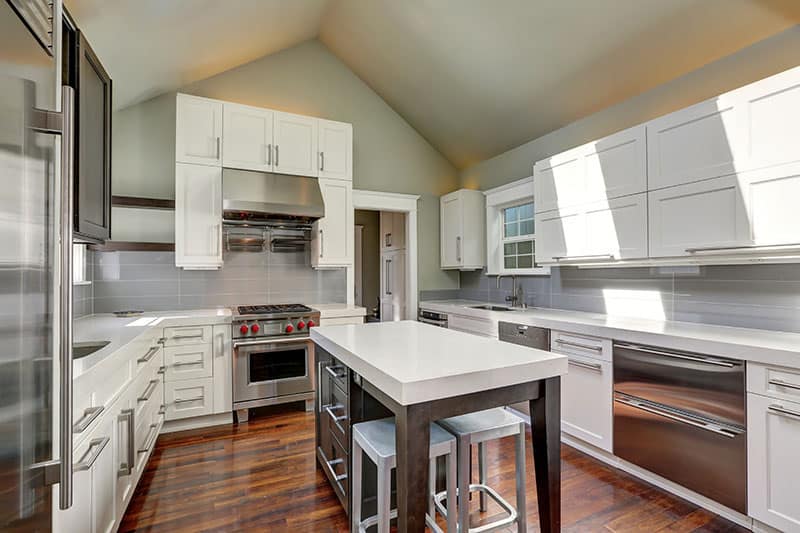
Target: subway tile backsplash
(149, 281)
(754, 296)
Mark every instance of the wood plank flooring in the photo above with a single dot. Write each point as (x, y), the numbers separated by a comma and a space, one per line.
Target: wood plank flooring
(262, 476)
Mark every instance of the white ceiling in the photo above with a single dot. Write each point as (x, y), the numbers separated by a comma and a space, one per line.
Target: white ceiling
(475, 77)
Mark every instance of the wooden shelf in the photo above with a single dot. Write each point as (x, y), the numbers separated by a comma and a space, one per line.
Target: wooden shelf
(127, 246)
(142, 203)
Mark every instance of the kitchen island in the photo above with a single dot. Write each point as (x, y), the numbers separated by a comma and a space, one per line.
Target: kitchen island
(420, 373)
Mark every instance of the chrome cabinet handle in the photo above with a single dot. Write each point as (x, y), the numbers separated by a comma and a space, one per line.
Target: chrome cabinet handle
(161, 370)
(578, 345)
(89, 416)
(321, 242)
(708, 361)
(92, 453)
(217, 149)
(322, 161)
(387, 276)
(780, 410)
(189, 400)
(442, 323)
(781, 383)
(332, 371)
(161, 340)
(742, 247)
(269, 154)
(148, 392)
(150, 441)
(221, 351)
(184, 337)
(684, 419)
(162, 410)
(187, 363)
(333, 462)
(149, 355)
(126, 467)
(277, 156)
(588, 366)
(458, 248)
(329, 409)
(388, 240)
(296, 340)
(582, 257)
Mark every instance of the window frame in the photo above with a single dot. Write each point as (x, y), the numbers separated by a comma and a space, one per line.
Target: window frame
(512, 194)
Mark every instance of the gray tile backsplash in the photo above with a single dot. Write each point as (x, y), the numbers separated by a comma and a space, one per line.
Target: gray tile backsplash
(150, 281)
(82, 295)
(755, 296)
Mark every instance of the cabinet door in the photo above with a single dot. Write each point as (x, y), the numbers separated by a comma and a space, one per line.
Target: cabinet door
(332, 243)
(198, 135)
(560, 234)
(586, 400)
(451, 226)
(617, 227)
(335, 150)
(700, 215)
(693, 144)
(93, 161)
(247, 143)
(616, 165)
(198, 216)
(773, 466)
(184, 399)
(393, 286)
(104, 480)
(393, 231)
(559, 180)
(295, 145)
(770, 195)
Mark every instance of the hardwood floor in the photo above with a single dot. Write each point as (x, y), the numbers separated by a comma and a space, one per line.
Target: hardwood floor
(262, 476)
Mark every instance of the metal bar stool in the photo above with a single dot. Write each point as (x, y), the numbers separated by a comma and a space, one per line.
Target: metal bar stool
(377, 439)
(478, 428)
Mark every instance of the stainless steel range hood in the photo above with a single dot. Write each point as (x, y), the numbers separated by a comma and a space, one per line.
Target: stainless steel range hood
(266, 199)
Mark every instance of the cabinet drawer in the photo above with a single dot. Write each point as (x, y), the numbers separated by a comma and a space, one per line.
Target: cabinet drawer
(580, 345)
(96, 389)
(149, 396)
(184, 399)
(586, 401)
(336, 413)
(337, 374)
(145, 436)
(334, 461)
(476, 326)
(774, 381)
(180, 336)
(147, 357)
(188, 362)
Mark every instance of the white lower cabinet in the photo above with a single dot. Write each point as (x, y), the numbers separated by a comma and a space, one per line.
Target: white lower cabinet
(469, 324)
(188, 398)
(773, 469)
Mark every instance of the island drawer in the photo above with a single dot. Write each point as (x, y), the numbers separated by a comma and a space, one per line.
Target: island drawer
(336, 413)
(336, 373)
(334, 460)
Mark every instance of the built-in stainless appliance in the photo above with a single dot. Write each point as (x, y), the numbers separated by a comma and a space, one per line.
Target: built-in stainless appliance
(35, 292)
(433, 318)
(273, 356)
(524, 335)
(682, 416)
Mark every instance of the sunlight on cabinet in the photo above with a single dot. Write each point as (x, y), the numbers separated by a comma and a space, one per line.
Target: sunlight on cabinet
(635, 303)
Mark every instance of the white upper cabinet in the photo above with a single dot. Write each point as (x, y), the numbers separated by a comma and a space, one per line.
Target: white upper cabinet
(295, 139)
(198, 135)
(393, 285)
(335, 150)
(609, 168)
(560, 234)
(332, 235)
(247, 142)
(198, 216)
(463, 227)
(393, 231)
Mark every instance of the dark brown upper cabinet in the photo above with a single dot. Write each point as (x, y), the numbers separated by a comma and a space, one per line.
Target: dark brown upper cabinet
(83, 71)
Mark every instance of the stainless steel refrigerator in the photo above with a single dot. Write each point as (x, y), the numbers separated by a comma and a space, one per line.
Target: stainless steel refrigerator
(35, 305)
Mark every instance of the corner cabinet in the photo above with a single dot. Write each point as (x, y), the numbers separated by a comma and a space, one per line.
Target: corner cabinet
(198, 132)
(462, 230)
(198, 216)
(332, 236)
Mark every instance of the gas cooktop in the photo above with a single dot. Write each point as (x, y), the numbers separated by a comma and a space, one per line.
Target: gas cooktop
(266, 311)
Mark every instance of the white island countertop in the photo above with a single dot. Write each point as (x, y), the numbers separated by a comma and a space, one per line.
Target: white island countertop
(414, 362)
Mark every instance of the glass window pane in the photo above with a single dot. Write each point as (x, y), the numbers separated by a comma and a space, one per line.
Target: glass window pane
(511, 230)
(526, 227)
(525, 261)
(510, 214)
(525, 247)
(511, 262)
(525, 211)
(510, 248)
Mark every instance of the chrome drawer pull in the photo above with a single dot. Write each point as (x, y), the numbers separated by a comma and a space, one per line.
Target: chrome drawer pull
(780, 410)
(161, 370)
(92, 453)
(781, 383)
(148, 392)
(162, 410)
(89, 416)
(332, 371)
(654, 409)
(743, 247)
(150, 441)
(187, 363)
(184, 337)
(149, 355)
(329, 409)
(588, 366)
(161, 340)
(189, 400)
(559, 258)
(715, 362)
(126, 468)
(579, 345)
(330, 464)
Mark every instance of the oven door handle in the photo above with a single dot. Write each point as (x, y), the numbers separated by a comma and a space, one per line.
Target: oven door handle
(295, 340)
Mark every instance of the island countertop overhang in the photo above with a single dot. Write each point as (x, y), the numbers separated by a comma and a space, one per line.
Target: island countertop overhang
(414, 362)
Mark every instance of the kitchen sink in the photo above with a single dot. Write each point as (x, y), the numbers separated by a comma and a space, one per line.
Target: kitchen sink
(82, 349)
(489, 307)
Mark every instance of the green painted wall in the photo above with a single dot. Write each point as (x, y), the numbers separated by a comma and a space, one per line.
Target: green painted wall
(389, 155)
(770, 56)
(370, 256)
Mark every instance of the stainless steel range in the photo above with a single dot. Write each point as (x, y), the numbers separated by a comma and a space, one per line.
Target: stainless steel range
(273, 356)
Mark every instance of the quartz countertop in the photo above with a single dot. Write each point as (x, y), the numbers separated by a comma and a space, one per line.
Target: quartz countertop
(122, 331)
(757, 345)
(414, 362)
(339, 310)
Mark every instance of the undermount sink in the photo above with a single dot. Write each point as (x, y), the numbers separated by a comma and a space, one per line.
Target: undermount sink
(489, 307)
(82, 349)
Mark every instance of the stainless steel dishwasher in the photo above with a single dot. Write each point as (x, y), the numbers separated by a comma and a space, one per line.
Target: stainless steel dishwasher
(524, 335)
(682, 416)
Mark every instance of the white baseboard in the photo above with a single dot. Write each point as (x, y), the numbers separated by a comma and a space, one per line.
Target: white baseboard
(196, 422)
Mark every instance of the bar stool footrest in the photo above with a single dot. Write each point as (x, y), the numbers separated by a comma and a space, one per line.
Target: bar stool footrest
(499, 500)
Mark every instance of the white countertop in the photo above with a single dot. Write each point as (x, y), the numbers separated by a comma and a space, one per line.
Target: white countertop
(757, 345)
(339, 310)
(414, 362)
(122, 331)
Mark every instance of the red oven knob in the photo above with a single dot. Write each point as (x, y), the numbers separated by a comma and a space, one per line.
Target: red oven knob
(301, 325)
(311, 324)
(254, 328)
(244, 329)
(289, 328)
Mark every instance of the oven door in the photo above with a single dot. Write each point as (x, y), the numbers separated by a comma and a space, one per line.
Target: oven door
(271, 369)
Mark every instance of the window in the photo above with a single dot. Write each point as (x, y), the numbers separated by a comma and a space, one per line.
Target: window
(518, 236)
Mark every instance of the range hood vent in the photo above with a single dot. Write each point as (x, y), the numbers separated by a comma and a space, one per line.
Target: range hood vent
(264, 199)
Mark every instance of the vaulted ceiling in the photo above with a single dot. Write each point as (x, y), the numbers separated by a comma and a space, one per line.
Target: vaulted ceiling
(474, 77)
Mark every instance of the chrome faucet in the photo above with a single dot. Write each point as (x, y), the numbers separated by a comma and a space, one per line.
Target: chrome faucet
(517, 297)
